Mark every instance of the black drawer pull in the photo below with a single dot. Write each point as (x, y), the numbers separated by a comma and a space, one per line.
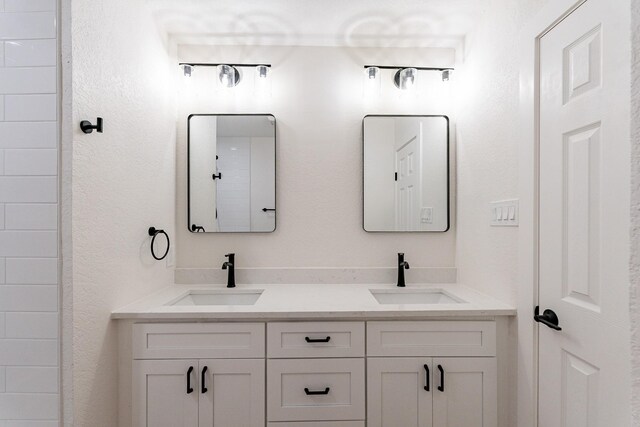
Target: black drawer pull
(316, 392)
(327, 339)
(441, 386)
(427, 380)
(189, 388)
(204, 377)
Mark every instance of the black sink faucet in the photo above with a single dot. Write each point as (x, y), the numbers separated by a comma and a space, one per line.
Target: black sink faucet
(228, 265)
(402, 265)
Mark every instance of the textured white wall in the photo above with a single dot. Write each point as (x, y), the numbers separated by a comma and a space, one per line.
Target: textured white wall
(123, 181)
(488, 120)
(29, 244)
(319, 105)
(635, 211)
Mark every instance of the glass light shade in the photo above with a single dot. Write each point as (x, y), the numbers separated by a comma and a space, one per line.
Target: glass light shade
(262, 80)
(406, 78)
(188, 70)
(372, 81)
(228, 75)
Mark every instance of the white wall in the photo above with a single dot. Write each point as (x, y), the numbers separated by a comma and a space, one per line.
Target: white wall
(635, 211)
(123, 181)
(29, 278)
(319, 105)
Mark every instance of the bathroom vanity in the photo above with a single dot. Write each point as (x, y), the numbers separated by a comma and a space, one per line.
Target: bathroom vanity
(313, 356)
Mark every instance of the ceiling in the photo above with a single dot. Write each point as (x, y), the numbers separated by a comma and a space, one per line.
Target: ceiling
(362, 23)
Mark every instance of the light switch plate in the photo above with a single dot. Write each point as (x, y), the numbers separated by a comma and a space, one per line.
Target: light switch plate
(504, 213)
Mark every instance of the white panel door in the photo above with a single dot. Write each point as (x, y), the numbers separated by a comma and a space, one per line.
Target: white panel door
(399, 392)
(232, 392)
(165, 393)
(465, 392)
(408, 181)
(584, 217)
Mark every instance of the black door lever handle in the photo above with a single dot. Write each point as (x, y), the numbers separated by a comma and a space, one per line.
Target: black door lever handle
(547, 318)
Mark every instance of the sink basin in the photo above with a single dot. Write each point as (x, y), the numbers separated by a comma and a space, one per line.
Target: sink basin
(218, 297)
(414, 296)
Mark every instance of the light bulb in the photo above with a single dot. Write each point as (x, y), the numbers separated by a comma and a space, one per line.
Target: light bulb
(229, 76)
(405, 79)
(187, 69)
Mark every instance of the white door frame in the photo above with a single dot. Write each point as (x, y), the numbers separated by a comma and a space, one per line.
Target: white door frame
(528, 173)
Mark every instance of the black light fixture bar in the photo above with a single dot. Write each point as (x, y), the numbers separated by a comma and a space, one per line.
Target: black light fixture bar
(396, 67)
(210, 64)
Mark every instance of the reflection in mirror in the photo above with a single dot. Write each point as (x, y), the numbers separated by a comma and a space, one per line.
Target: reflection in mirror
(232, 173)
(406, 173)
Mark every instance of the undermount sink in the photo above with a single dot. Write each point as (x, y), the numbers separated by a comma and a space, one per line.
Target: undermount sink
(218, 297)
(414, 296)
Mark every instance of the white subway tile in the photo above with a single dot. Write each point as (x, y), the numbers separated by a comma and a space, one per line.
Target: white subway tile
(28, 243)
(31, 162)
(31, 380)
(30, 107)
(27, 406)
(30, 53)
(1, 107)
(28, 423)
(28, 298)
(31, 325)
(28, 189)
(2, 270)
(31, 216)
(31, 271)
(28, 353)
(2, 381)
(29, 25)
(1, 53)
(28, 135)
(28, 80)
(29, 5)
(1, 162)
(2, 325)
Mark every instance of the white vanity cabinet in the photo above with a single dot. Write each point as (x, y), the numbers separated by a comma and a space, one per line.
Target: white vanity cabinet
(223, 387)
(450, 380)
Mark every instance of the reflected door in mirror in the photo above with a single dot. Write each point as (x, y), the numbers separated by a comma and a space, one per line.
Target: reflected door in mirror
(232, 161)
(406, 173)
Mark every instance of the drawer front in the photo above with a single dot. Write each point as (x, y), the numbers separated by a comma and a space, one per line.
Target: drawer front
(315, 339)
(319, 424)
(198, 340)
(431, 338)
(334, 389)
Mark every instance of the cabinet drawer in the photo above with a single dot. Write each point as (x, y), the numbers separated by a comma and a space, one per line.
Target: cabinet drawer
(431, 338)
(315, 339)
(198, 340)
(319, 424)
(315, 389)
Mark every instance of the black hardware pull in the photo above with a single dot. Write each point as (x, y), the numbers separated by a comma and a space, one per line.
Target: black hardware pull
(316, 392)
(548, 318)
(189, 388)
(426, 379)
(204, 388)
(441, 386)
(217, 176)
(327, 339)
(268, 210)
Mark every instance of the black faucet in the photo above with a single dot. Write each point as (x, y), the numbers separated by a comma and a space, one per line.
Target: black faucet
(402, 265)
(228, 265)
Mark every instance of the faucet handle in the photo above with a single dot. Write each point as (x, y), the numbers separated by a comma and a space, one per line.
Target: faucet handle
(406, 265)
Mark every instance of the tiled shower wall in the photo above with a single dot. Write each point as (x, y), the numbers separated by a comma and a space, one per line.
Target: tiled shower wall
(29, 327)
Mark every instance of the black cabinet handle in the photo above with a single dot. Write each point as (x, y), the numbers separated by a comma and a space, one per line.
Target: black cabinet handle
(204, 387)
(327, 339)
(548, 318)
(441, 386)
(426, 379)
(316, 392)
(189, 388)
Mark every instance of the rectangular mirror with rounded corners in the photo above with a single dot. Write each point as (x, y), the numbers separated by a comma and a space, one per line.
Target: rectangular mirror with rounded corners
(231, 168)
(406, 173)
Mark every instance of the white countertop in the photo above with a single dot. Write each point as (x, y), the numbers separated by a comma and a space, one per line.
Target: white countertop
(306, 301)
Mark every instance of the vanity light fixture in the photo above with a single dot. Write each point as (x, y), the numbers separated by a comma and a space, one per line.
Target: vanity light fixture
(405, 78)
(229, 75)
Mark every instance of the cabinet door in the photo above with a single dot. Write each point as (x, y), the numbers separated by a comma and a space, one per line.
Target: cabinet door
(399, 392)
(465, 392)
(161, 397)
(232, 392)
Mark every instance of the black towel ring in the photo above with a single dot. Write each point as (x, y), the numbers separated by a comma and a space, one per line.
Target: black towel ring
(153, 232)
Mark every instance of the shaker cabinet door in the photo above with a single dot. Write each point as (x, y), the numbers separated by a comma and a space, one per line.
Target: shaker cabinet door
(165, 393)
